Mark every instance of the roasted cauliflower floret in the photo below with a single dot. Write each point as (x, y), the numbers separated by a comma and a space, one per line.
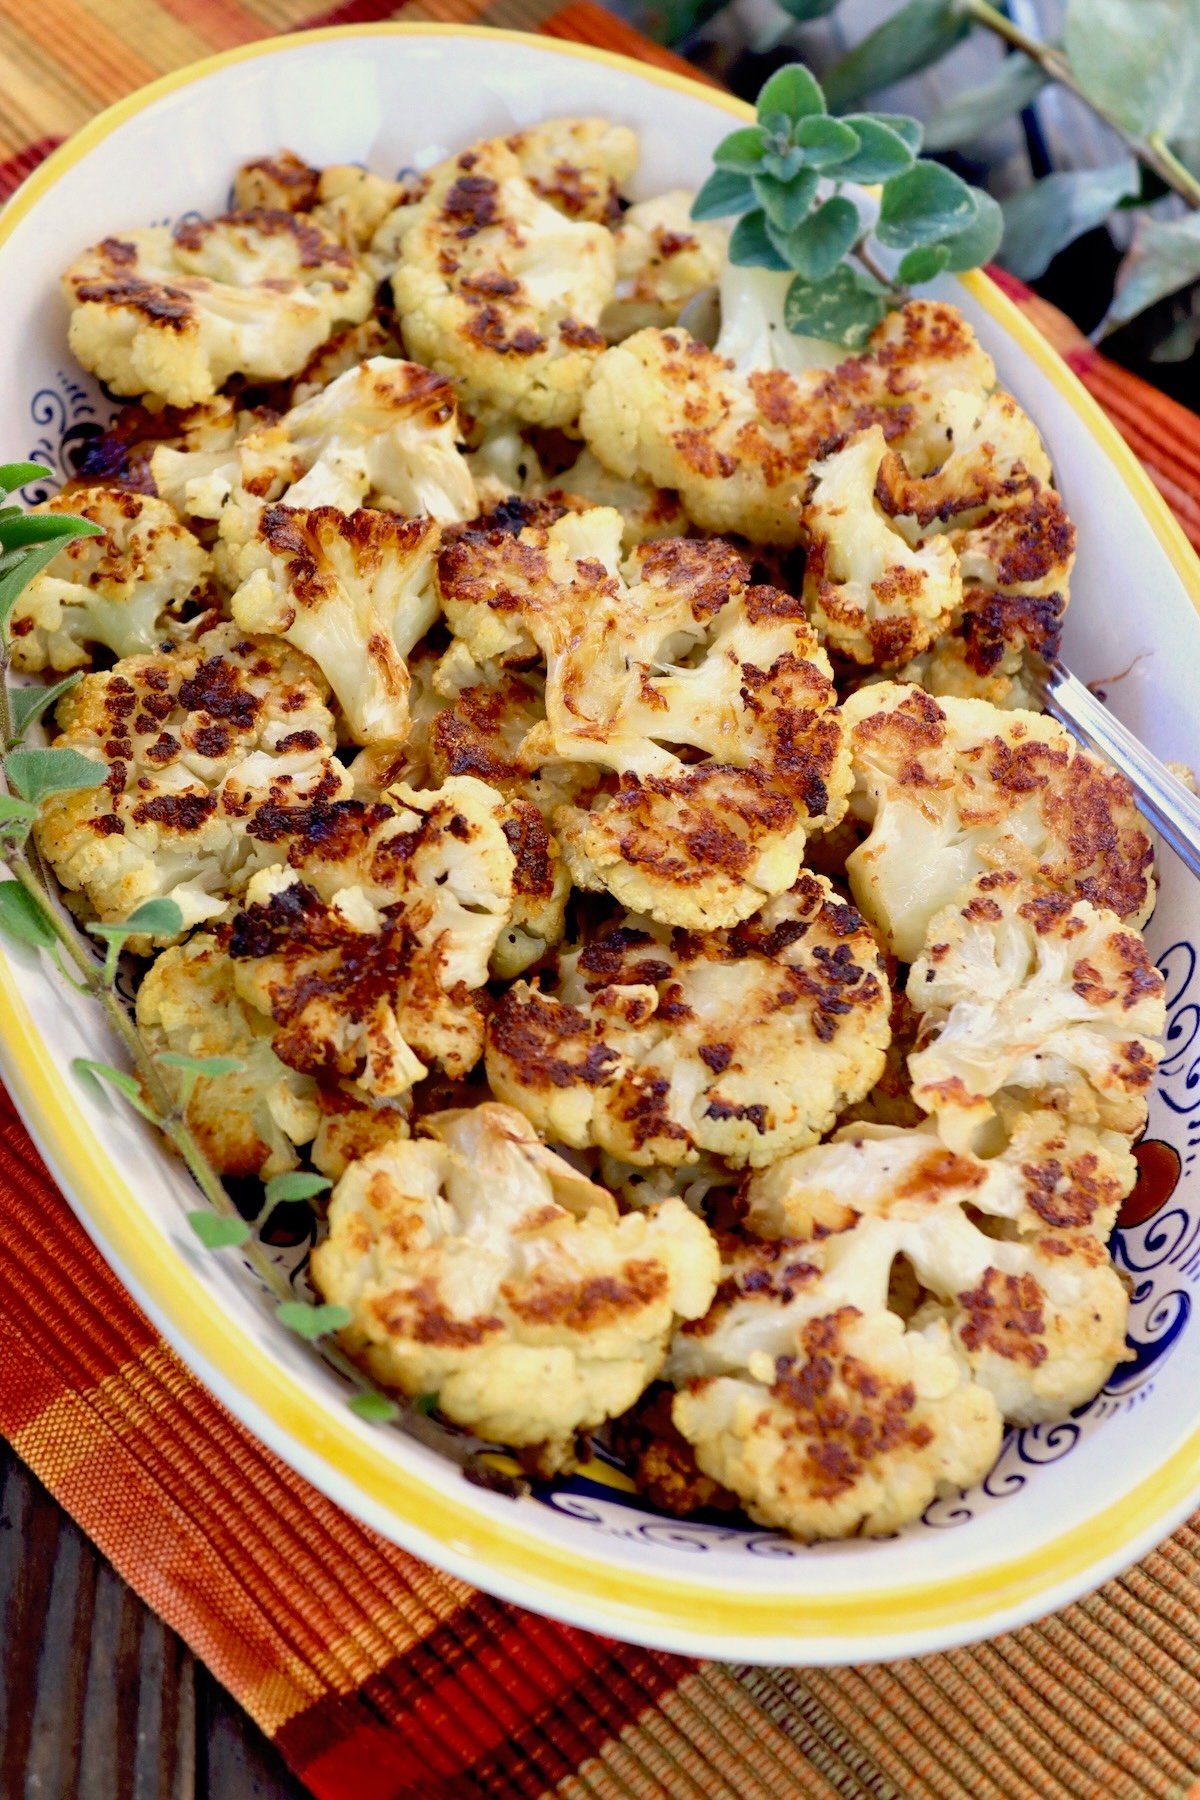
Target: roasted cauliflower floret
(816, 1406)
(127, 590)
(871, 596)
(664, 258)
(737, 438)
(671, 648)
(954, 788)
(499, 290)
(352, 590)
(382, 434)
(1039, 1318)
(246, 1122)
(368, 949)
(173, 314)
(352, 1126)
(577, 165)
(484, 1269)
(213, 755)
(1030, 995)
(656, 1045)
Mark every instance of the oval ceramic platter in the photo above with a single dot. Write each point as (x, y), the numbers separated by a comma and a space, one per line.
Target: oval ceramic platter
(1067, 1504)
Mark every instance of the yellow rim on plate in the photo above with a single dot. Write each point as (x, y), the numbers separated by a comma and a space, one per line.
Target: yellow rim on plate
(514, 1555)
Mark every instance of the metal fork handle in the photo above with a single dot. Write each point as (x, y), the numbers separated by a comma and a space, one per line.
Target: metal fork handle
(1170, 807)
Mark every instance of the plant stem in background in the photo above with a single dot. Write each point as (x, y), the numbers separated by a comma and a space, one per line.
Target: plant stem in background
(1152, 150)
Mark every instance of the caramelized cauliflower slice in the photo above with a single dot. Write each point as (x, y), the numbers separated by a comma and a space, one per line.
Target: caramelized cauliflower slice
(173, 314)
(352, 590)
(499, 290)
(871, 596)
(671, 648)
(368, 949)
(1039, 1318)
(803, 1394)
(384, 434)
(127, 590)
(349, 202)
(246, 1122)
(213, 754)
(658, 1045)
(737, 438)
(482, 1268)
(1028, 994)
(953, 788)
(664, 258)
(577, 165)
(353, 1126)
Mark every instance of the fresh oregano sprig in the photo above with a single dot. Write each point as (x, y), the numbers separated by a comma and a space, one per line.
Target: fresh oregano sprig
(785, 180)
(29, 918)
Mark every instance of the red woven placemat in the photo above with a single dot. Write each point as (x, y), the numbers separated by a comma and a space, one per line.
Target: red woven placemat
(375, 1675)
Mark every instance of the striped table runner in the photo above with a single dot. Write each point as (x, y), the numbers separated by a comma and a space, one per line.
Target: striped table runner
(376, 1676)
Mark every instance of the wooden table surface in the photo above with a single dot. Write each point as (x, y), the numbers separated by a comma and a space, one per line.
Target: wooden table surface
(99, 1700)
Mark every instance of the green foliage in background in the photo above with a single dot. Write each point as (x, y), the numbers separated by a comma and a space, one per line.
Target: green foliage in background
(1134, 63)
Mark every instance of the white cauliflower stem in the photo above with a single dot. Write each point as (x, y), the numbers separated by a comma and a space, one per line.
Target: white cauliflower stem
(482, 1268)
(352, 590)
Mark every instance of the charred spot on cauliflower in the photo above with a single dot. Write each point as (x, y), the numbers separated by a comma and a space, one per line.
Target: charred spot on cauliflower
(481, 1267)
(213, 755)
(131, 588)
(657, 1045)
(954, 788)
(368, 949)
(498, 289)
(577, 165)
(173, 314)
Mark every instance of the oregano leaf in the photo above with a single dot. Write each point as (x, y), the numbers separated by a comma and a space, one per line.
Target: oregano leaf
(909, 130)
(298, 1184)
(27, 705)
(793, 91)
(786, 203)
(210, 1067)
(843, 309)
(311, 1322)
(881, 154)
(1048, 215)
(34, 773)
(217, 1233)
(742, 151)
(21, 529)
(158, 918)
(724, 192)
(19, 568)
(100, 1075)
(19, 474)
(976, 111)
(817, 246)
(750, 245)
(826, 142)
(376, 1408)
(923, 263)
(980, 238)
(924, 205)
(22, 920)
(784, 165)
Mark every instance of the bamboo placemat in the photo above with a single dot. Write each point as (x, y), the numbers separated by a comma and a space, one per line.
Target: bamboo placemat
(378, 1677)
